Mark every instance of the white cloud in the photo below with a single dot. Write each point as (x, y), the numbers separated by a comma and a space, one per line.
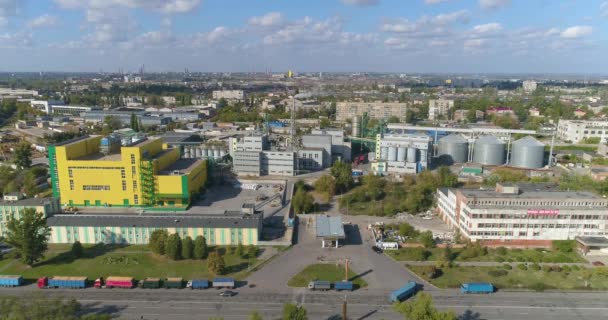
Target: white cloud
(474, 43)
(15, 40)
(487, 28)
(161, 6)
(493, 4)
(8, 9)
(360, 3)
(270, 19)
(425, 23)
(604, 9)
(43, 21)
(434, 1)
(576, 32)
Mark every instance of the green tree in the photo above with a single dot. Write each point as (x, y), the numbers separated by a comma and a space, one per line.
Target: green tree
(29, 185)
(11, 186)
(23, 155)
(187, 248)
(157, 241)
(77, 249)
(326, 185)
(393, 119)
(292, 311)
(343, 174)
(240, 250)
(252, 251)
(255, 316)
(40, 307)
(324, 123)
(216, 263)
(446, 178)
(427, 240)
(448, 254)
(200, 248)
(374, 186)
(173, 247)
(134, 122)
(28, 235)
(407, 230)
(302, 202)
(422, 308)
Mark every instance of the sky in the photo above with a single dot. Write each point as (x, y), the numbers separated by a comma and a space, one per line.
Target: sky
(406, 36)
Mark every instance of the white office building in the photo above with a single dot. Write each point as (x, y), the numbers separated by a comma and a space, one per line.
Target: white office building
(524, 214)
(577, 130)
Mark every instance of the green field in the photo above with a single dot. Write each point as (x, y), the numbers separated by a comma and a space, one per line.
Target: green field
(520, 279)
(512, 255)
(135, 261)
(327, 272)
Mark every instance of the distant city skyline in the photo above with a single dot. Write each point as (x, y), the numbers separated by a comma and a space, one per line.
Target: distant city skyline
(410, 36)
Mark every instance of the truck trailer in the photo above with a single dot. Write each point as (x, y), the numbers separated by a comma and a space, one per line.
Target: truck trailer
(174, 283)
(150, 283)
(117, 282)
(10, 280)
(479, 287)
(62, 282)
(343, 285)
(404, 292)
(220, 283)
(319, 285)
(198, 284)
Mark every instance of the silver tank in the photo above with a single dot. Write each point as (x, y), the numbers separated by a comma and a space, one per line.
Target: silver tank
(222, 153)
(186, 153)
(401, 154)
(392, 154)
(528, 152)
(453, 148)
(216, 153)
(411, 154)
(489, 150)
(356, 126)
(384, 153)
(204, 153)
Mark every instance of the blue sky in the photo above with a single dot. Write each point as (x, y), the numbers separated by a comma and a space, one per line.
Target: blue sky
(472, 36)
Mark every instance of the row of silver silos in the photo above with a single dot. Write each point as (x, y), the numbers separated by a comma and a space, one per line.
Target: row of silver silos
(526, 152)
(400, 154)
(195, 152)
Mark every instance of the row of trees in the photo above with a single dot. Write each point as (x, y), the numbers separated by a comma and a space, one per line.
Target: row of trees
(176, 248)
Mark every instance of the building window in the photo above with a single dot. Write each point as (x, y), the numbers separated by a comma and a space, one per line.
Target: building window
(72, 185)
(124, 185)
(136, 199)
(132, 159)
(123, 174)
(134, 185)
(70, 174)
(133, 171)
(95, 188)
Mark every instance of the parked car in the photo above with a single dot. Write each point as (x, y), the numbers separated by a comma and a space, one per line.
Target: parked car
(598, 263)
(227, 293)
(376, 249)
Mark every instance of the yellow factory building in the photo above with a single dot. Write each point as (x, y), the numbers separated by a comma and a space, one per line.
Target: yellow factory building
(99, 171)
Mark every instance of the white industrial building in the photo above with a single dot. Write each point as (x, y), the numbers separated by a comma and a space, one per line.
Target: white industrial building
(59, 107)
(402, 153)
(577, 130)
(439, 107)
(524, 214)
(229, 94)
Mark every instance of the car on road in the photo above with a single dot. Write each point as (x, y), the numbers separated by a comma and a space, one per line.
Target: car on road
(376, 249)
(598, 263)
(227, 293)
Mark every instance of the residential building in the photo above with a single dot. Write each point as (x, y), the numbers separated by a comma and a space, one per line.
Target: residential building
(529, 85)
(462, 115)
(579, 113)
(230, 228)
(96, 171)
(530, 214)
(577, 130)
(439, 108)
(534, 112)
(12, 207)
(17, 92)
(228, 94)
(375, 110)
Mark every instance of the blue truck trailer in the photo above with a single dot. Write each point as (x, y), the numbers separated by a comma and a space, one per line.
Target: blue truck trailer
(404, 292)
(479, 287)
(67, 282)
(343, 285)
(227, 283)
(319, 285)
(10, 280)
(198, 284)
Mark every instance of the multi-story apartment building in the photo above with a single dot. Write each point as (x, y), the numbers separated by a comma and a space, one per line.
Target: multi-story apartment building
(577, 130)
(533, 214)
(529, 85)
(229, 94)
(375, 110)
(439, 108)
(97, 171)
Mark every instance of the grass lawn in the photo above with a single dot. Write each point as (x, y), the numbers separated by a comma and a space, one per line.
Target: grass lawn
(515, 278)
(135, 261)
(327, 272)
(512, 255)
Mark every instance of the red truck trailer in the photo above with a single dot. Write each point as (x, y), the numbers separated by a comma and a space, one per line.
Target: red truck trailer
(114, 282)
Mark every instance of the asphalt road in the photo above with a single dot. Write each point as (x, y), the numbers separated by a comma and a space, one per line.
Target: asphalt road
(195, 304)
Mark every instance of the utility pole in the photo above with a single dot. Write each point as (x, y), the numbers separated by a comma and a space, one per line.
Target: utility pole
(344, 308)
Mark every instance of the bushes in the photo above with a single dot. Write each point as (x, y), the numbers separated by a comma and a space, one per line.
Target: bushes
(538, 287)
(497, 273)
(535, 267)
(547, 268)
(507, 266)
(416, 254)
(77, 250)
(472, 250)
(522, 267)
(431, 272)
(565, 246)
(426, 238)
(566, 269)
(501, 251)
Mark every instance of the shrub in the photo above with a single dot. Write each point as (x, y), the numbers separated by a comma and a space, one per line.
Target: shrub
(497, 273)
(77, 250)
(564, 245)
(501, 251)
(431, 272)
(507, 266)
(426, 238)
(575, 268)
(500, 259)
(522, 267)
(538, 286)
(556, 268)
(417, 254)
(547, 268)
(535, 267)
(566, 269)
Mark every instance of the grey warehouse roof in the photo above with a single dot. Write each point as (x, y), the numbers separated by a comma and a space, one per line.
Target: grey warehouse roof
(155, 220)
(329, 227)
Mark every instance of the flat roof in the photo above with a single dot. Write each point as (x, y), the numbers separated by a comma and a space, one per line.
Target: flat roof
(156, 220)
(329, 227)
(593, 241)
(184, 166)
(26, 202)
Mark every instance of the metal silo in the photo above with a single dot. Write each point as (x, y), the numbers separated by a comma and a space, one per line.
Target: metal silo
(453, 148)
(222, 153)
(216, 153)
(489, 150)
(392, 154)
(528, 153)
(356, 126)
(384, 153)
(411, 154)
(186, 154)
(401, 154)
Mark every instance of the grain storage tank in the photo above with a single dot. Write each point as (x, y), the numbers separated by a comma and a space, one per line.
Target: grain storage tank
(222, 153)
(356, 126)
(392, 154)
(411, 154)
(489, 150)
(453, 148)
(528, 153)
(216, 153)
(186, 154)
(384, 153)
(401, 154)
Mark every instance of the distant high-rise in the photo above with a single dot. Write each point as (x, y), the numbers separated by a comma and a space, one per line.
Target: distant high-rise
(529, 85)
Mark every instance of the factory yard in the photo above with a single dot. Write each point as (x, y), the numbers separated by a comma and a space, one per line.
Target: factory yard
(326, 272)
